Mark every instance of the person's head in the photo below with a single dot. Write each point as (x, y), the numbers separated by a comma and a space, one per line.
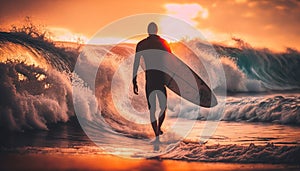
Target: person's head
(152, 28)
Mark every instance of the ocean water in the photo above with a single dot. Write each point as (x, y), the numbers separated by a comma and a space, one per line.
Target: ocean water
(52, 102)
(255, 143)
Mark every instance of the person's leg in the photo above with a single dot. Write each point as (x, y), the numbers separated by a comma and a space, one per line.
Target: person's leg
(162, 99)
(151, 99)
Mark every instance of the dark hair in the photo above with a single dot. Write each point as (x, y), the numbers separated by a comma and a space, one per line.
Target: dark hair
(152, 28)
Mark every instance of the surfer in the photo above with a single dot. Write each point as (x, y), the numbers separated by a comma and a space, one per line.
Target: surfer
(155, 85)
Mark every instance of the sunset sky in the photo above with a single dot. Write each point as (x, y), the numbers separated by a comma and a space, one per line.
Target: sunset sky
(272, 24)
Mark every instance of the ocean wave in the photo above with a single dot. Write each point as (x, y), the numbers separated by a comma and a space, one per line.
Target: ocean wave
(37, 88)
(35, 82)
(37, 51)
(275, 109)
(189, 151)
(269, 153)
(280, 109)
(274, 71)
(33, 97)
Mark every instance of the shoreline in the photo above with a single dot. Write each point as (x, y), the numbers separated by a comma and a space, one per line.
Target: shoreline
(109, 162)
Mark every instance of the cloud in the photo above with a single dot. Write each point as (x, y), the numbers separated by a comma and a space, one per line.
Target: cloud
(187, 12)
(271, 24)
(263, 23)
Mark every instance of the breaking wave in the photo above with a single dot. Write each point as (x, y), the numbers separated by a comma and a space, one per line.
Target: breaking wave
(191, 151)
(280, 109)
(36, 84)
(255, 70)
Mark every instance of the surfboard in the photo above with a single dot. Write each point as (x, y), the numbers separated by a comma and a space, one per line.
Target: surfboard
(183, 81)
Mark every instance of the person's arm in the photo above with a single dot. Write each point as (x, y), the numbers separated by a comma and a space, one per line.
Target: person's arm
(136, 65)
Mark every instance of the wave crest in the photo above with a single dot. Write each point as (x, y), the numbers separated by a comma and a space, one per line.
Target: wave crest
(34, 97)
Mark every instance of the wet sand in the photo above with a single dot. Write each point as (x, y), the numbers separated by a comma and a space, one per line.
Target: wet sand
(108, 162)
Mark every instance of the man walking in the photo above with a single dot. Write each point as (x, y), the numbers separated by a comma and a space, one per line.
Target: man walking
(152, 49)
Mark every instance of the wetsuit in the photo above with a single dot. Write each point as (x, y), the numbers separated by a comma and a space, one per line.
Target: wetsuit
(153, 49)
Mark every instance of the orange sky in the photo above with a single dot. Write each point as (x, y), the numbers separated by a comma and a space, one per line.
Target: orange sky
(264, 23)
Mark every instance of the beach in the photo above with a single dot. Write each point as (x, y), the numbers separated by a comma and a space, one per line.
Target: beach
(74, 109)
(107, 162)
(71, 149)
